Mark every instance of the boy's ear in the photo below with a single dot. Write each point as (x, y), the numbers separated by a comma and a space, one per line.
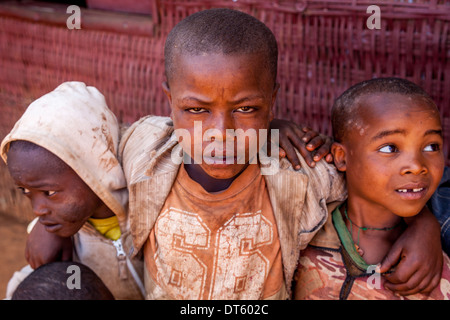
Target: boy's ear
(274, 98)
(166, 90)
(339, 155)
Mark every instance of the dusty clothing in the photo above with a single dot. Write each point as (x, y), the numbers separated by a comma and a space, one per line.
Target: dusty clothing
(74, 123)
(298, 198)
(107, 258)
(204, 235)
(330, 270)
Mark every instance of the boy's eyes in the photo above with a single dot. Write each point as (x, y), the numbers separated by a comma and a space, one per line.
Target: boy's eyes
(25, 191)
(246, 109)
(388, 149)
(198, 110)
(432, 147)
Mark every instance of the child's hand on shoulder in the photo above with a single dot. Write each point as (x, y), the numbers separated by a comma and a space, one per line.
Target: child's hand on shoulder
(416, 256)
(43, 247)
(312, 145)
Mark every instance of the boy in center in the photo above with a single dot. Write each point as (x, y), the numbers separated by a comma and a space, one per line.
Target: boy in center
(219, 230)
(215, 229)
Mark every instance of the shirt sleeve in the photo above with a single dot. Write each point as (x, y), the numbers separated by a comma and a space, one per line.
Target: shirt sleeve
(326, 187)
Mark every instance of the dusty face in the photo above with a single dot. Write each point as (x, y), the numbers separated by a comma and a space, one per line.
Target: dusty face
(61, 200)
(393, 155)
(213, 93)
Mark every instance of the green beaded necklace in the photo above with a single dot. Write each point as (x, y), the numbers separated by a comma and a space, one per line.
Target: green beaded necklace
(360, 251)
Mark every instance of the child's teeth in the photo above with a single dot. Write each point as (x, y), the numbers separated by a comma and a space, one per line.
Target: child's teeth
(410, 190)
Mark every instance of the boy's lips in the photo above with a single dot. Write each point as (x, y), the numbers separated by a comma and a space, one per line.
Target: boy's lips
(221, 161)
(222, 158)
(50, 226)
(412, 191)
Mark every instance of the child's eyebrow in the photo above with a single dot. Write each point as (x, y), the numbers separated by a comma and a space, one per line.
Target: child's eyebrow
(438, 132)
(250, 98)
(385, 133)
(237, 101)
(41, 185)
(195, 99)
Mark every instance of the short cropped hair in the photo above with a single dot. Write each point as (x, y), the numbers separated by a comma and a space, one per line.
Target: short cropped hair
(49, 282)
(223, 31)
(346, 106)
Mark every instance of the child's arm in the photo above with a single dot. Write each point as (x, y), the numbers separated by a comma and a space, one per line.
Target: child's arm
(418, 253)
(44, 247)
(439, 205)
(311, 145)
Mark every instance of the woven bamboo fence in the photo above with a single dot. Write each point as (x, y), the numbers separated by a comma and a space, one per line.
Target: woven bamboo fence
(325, 47)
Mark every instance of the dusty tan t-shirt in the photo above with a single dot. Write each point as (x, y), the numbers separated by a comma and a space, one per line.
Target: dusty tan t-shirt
(215, 246)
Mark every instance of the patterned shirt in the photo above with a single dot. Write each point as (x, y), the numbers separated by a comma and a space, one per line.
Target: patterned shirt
(337, 271)
(216, 246)
(299, 200)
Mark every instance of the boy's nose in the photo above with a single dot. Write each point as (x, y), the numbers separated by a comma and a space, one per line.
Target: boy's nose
(414, 165)
(39, 207)
(221, 124)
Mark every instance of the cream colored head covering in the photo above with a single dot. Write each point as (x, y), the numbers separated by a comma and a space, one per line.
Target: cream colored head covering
(74, 123)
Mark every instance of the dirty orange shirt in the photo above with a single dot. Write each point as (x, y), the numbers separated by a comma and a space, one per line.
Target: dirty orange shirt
(215, 246)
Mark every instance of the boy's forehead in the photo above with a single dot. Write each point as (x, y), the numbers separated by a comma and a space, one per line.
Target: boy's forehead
(203, 62)
(34, 157)
(379, 104)
(375, 112)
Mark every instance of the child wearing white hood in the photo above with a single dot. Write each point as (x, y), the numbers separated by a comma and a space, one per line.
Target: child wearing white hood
(62, 154)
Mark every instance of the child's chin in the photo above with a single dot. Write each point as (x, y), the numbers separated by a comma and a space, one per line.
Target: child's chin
(408, 212)
(223, 171)
(63, 232)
